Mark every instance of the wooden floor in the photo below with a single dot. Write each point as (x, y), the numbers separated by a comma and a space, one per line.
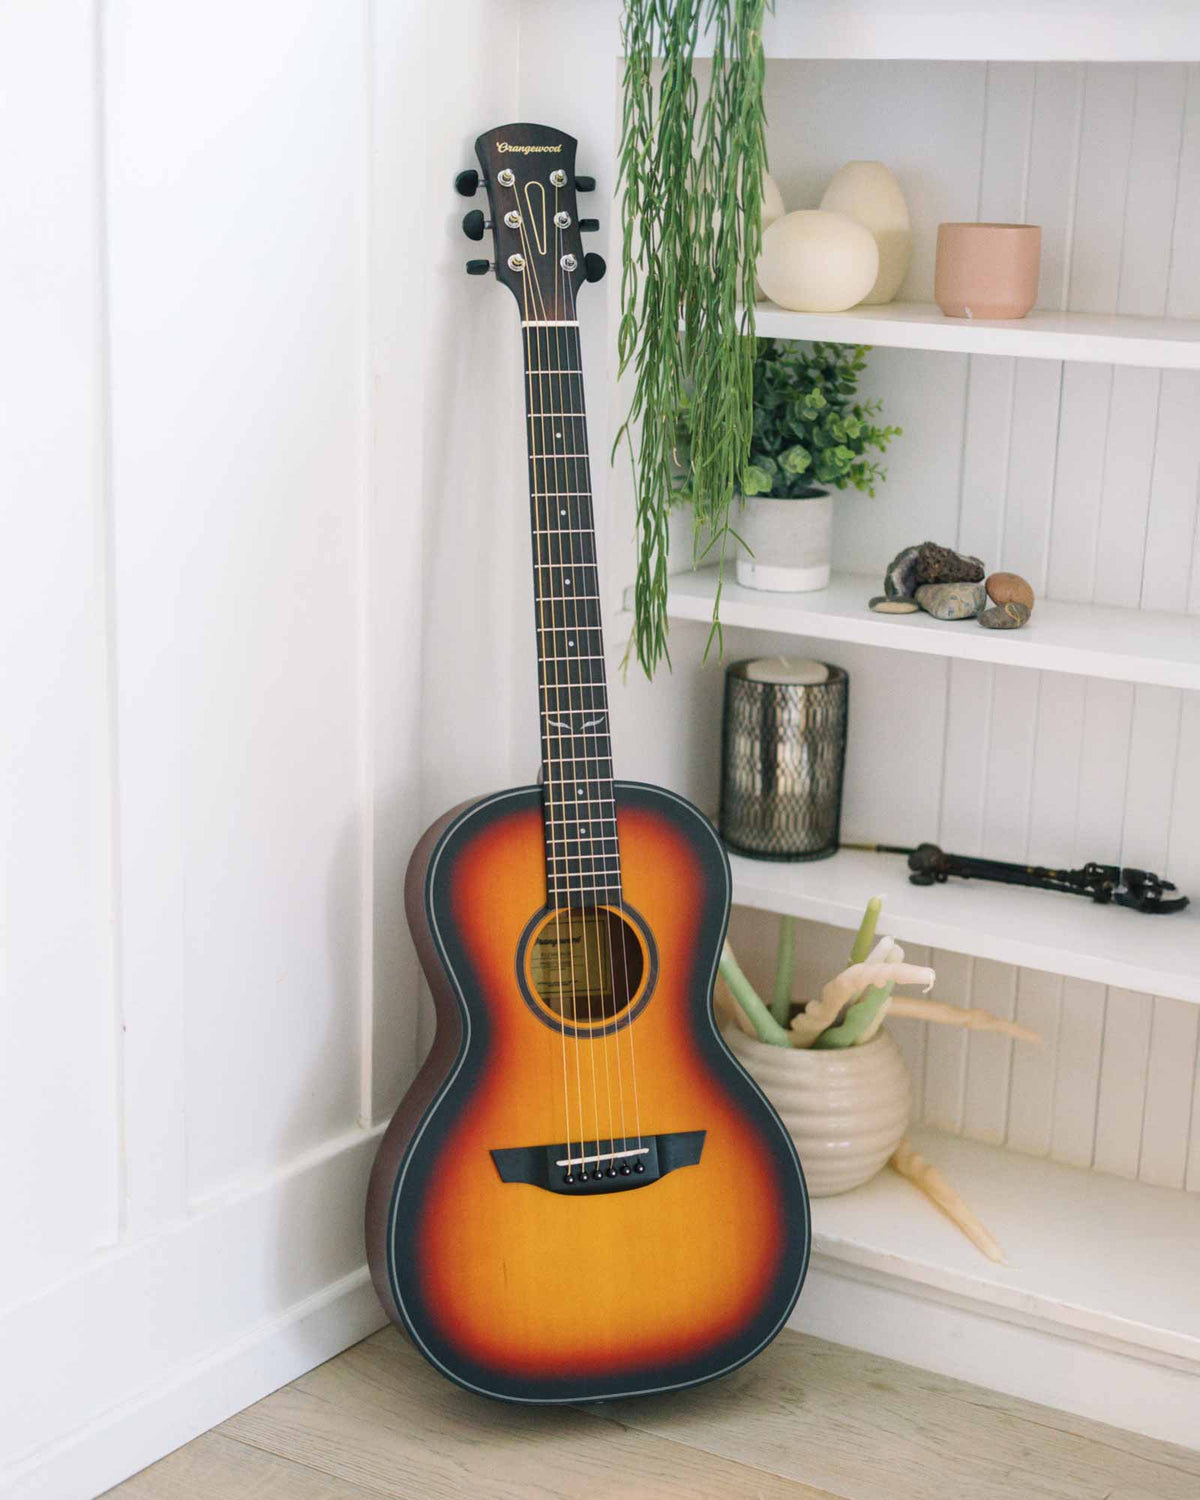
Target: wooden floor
(806, 1419)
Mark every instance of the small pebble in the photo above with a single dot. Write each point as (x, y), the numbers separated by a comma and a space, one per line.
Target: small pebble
(952, 601)
(1005, 588)
(943, 565)
(900, 577)
(1010, 616)
(882, 605)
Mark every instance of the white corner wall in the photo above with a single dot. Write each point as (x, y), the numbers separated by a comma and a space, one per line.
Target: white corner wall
(244, 548)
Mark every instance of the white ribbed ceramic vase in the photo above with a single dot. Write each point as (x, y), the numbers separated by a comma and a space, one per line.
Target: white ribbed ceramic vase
(846, 1108)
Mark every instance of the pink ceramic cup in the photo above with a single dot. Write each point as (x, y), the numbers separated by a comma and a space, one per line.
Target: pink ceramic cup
(987, 270)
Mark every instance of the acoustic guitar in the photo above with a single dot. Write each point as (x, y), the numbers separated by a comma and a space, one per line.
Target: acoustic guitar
(583, 1195)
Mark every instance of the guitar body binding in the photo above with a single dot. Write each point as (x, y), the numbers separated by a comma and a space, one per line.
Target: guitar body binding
(598, 1208)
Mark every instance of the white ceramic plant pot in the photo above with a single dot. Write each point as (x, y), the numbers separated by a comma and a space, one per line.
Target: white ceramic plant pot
(847, 1109)
(789, 543)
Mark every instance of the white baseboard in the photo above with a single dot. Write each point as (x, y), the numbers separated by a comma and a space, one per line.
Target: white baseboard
(160, 1339)
(902, 1321)
(143, 1430)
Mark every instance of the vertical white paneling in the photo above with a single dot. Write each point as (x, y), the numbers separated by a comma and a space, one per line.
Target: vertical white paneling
(911, 1036)
(1192, 1178)
(1122, 1082)
(1004, 155)
(968, 723)
(1170, 1078)
(989, 1055)
(1183, 848)
(1171, 525)
(1059, 744)
(987, 434)
(1183, 297)
(1154, 161)
(946, 1046)
(1053, 163)
(1100, 793)
(1125, 489)
(1095, 264)
(1084, 403)
(1077, 1073)
(1009, 762)
(59, 1132)
(1024, 545)
(1154, 735)
(1031, 1103)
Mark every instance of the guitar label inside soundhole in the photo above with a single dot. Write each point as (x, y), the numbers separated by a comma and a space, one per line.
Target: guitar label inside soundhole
(585, 965)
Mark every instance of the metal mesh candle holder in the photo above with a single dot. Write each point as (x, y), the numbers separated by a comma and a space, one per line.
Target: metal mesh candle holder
(783, 753)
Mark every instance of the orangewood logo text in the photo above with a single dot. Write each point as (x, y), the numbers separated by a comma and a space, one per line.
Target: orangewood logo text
(525, 150)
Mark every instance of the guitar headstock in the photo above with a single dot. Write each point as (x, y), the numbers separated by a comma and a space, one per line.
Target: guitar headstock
(528, 172)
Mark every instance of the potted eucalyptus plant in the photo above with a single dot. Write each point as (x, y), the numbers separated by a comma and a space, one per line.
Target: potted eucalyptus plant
(811, 433)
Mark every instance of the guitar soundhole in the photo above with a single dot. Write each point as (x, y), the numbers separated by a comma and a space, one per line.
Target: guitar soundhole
(586, 964)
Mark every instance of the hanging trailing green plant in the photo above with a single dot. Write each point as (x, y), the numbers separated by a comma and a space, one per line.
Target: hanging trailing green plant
(692, 179)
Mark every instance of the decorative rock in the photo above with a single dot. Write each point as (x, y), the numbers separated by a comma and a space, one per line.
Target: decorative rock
(882, 605)
(943, 565)
(900, 581)
(1004, 588)
(952, 601)
(1010, 616)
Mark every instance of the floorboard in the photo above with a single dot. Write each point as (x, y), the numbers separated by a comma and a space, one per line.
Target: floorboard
(807, 1420)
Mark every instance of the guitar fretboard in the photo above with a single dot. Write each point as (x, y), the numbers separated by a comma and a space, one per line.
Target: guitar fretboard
(582, 857)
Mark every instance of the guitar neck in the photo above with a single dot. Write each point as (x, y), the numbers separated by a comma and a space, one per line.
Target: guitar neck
(582, 857)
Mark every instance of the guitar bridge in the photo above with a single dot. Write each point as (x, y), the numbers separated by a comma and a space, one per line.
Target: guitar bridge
(603, 1166)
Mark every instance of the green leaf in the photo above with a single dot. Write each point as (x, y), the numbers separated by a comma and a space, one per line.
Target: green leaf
(795, 460)
(756, 480)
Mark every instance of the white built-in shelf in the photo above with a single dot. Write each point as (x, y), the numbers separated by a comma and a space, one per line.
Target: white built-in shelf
(1090, 1256)
(1098, 338)
(1047, 930)
(1126, 645)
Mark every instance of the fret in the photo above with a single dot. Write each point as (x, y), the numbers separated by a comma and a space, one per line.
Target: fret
(578, 805)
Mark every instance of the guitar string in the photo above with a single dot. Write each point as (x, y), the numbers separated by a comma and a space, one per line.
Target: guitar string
(537, 543)
(543, 348)
(628, 1026)
(533, 356)
(602, 912)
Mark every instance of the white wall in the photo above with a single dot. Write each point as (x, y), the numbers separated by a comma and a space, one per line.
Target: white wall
(245, 546)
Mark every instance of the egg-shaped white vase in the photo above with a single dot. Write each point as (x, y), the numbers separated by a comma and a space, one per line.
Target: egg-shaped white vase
(846, 1108)
(813, 261)
(868, 193)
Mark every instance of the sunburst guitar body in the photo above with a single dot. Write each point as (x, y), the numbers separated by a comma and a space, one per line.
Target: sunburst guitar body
(583, 1195)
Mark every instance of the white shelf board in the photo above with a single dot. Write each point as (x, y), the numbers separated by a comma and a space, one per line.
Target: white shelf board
(1048, 930)
(1092, 640)
(1098, 338)
(1091, 1256)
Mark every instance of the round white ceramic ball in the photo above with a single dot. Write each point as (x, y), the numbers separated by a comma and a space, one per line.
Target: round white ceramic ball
(772, 201)
(816, 261)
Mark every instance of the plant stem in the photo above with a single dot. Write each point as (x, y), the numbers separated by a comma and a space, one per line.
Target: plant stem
(781, 1005)
(866, 932)
(768, 1028)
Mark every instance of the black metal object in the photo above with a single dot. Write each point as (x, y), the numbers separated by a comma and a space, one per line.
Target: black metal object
(783, 751)
(1140, 890)
(603, 1166)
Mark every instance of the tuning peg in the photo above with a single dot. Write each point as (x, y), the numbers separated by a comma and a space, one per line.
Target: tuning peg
(593, 266)
(467, 183)
(478, 267)
(585, 184)
(474, 224)
(589, 226)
